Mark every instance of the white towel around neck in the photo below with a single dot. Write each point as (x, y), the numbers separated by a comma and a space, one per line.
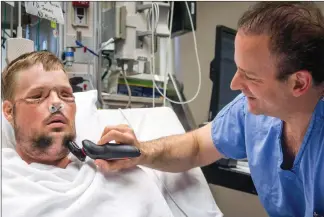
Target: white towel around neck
(38, 190)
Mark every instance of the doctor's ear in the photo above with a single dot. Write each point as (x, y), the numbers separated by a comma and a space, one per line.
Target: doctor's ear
(301, 82)
(8, 111)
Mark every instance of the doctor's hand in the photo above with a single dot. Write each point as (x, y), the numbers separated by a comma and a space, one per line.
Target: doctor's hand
(121, 134)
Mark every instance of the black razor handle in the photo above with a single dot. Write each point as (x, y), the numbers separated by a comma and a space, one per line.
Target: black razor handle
(109, 151)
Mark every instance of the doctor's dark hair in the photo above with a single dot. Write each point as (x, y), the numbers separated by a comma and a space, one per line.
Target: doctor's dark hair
(24, 62)
(296, 31)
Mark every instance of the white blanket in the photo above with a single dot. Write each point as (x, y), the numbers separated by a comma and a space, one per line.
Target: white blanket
(79, 190)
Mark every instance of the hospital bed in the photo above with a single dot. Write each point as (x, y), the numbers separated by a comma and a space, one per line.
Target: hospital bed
(186, 194)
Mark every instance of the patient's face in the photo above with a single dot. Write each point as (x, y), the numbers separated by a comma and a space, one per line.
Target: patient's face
(40, 135)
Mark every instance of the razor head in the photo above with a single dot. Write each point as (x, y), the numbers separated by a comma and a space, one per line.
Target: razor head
(76, 151)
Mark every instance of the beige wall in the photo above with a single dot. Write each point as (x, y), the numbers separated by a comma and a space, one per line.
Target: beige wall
(321, 6)
(209, 14)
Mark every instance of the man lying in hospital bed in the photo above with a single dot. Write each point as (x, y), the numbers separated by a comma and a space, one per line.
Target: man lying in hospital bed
(40, 178)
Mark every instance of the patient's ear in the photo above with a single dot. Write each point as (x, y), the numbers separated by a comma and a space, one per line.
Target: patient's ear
(8, 111)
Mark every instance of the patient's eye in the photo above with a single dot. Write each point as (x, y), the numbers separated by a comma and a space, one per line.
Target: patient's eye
(36, 96)
(67, 95)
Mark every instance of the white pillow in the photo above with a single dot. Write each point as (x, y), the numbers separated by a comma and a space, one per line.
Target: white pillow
(7, 133)
(86, 116)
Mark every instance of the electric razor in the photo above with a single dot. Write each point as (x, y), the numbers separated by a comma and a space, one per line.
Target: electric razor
(108, 151)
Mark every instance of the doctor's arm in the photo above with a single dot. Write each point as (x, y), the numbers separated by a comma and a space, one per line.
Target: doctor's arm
(172, 154)
(181, 152)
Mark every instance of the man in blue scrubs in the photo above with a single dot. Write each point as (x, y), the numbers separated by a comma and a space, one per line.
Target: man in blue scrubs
(277, 123)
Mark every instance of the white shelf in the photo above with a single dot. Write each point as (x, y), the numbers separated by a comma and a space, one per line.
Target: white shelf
(147, 77)
(120, 101)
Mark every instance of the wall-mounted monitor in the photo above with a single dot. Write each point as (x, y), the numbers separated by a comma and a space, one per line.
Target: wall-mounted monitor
(222, 70)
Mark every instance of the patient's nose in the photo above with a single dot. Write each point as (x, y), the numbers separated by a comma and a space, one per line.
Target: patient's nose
(54, 99)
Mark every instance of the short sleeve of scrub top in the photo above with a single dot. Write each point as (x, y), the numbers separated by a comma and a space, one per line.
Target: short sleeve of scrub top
(228, 129)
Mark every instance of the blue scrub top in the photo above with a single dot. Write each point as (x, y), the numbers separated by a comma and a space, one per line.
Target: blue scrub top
(297, 192)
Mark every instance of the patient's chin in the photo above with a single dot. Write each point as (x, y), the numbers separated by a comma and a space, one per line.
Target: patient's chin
(43, 146)
(51, 148)
(52, 155)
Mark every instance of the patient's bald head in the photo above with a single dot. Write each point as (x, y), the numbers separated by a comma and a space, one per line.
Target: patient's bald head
(31, 84)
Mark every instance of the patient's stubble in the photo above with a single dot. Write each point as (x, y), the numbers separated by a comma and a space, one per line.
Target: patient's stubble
(40, 145)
